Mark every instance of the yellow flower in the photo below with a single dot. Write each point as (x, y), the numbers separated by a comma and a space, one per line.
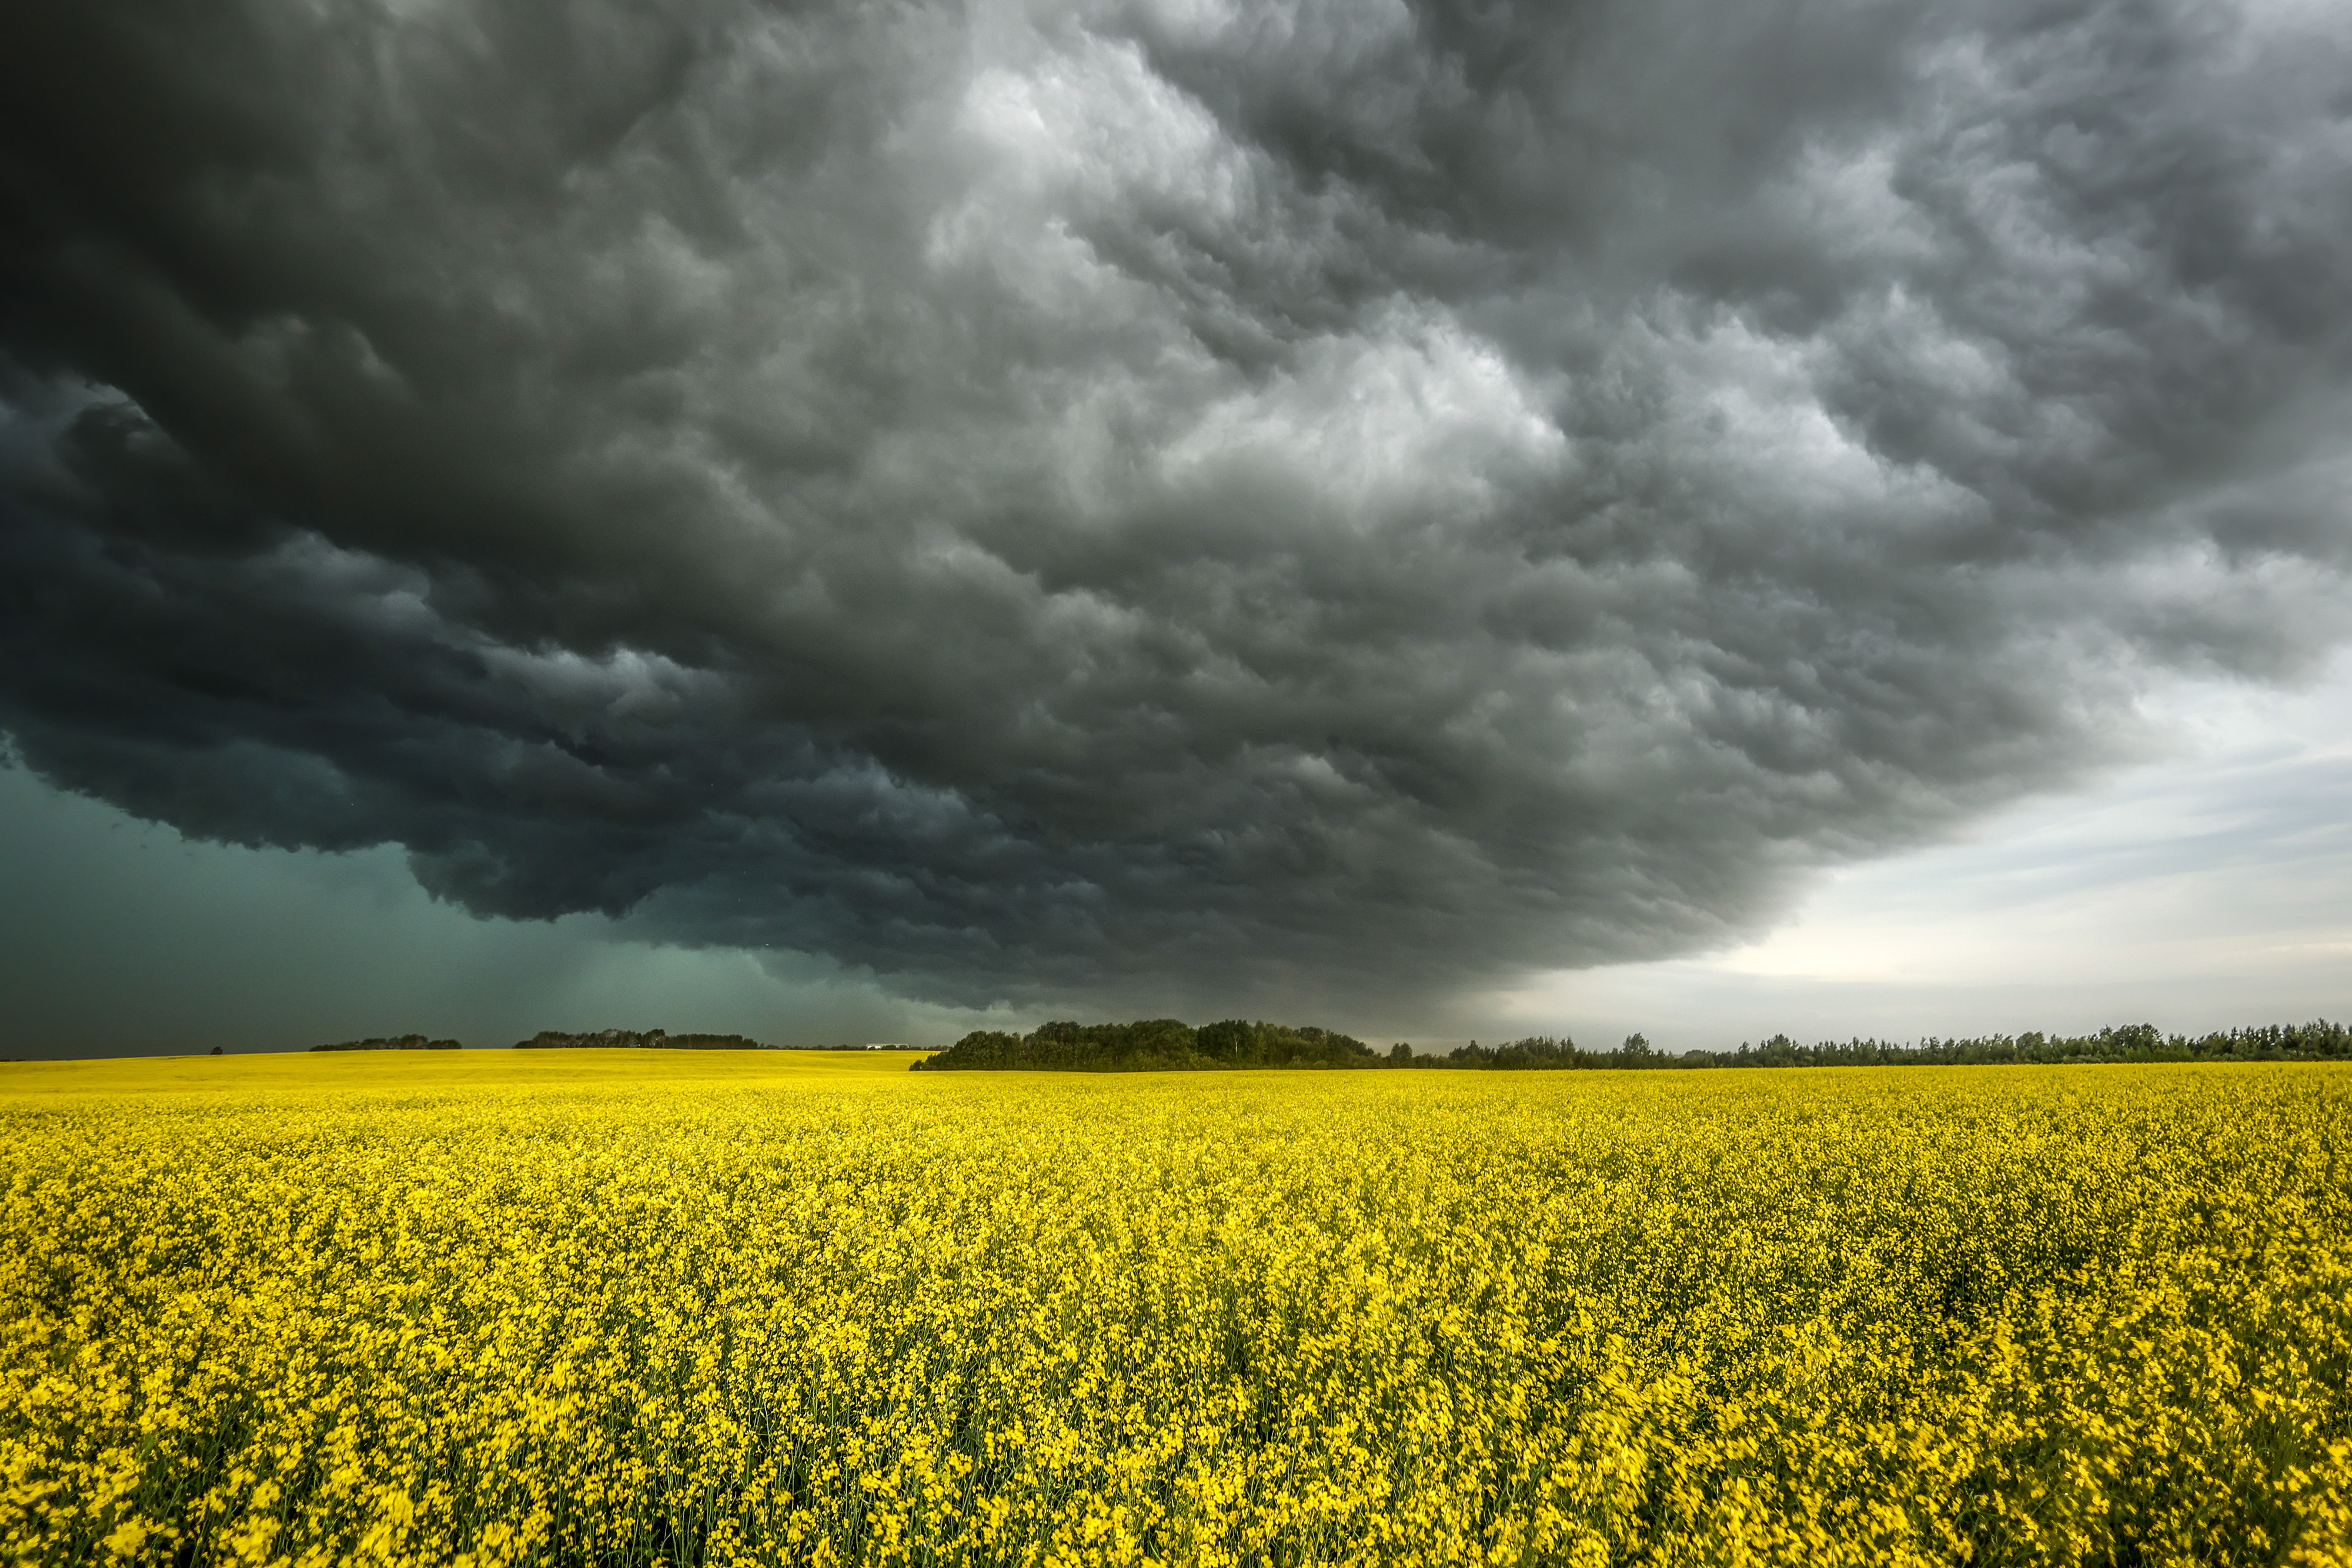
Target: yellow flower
(805, 1310)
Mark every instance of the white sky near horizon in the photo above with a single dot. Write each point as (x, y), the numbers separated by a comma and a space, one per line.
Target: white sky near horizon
(2206, 886)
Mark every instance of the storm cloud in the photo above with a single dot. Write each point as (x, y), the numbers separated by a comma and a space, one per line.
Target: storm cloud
(1192, 502)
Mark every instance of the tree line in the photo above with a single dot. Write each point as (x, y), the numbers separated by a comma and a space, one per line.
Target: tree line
(385, 1042)
(2318, 1041)
(638, 1040)
(558, 1039)
(1153, 1045)
(1171, 1045)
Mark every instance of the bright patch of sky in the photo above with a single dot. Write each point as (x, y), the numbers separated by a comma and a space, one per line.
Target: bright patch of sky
(2208, 886)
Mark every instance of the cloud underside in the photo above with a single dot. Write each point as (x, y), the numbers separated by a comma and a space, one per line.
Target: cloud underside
(1176, 502)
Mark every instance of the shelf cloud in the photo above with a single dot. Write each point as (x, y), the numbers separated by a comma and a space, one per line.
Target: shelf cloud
(1185, 502)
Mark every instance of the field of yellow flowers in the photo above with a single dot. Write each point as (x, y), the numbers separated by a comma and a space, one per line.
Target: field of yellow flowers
(629, 1307)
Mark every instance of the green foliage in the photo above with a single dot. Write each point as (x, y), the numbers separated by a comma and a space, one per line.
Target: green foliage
(1235, 1043)
(635, 1039)
(1153, 1045)
(1542, 1051)
(2319, 1041)
(385, 1042)
(1168, 1044)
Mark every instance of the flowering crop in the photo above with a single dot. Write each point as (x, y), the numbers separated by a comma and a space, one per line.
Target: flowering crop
(485, 1309)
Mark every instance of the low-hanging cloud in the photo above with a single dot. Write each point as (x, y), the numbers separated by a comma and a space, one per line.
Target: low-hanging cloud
(1185, 502)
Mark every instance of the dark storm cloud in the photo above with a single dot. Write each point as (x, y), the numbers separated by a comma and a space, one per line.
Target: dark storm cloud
(1177, 502)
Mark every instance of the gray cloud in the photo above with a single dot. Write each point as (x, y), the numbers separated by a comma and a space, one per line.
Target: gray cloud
(1185, 503)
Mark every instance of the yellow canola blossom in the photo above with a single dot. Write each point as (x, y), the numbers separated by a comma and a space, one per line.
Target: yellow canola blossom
(632, 1309)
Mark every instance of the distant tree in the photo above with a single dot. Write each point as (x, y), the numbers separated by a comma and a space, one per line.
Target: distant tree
(638, 1040)
(1153, 1045)
(1635, 1053)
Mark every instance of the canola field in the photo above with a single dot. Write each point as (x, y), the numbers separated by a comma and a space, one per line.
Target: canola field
(628, 1307)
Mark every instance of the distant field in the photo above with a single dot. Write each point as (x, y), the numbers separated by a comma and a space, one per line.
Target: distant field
(623, 1307)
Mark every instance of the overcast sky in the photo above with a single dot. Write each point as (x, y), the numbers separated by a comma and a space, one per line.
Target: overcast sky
(1440, 520)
